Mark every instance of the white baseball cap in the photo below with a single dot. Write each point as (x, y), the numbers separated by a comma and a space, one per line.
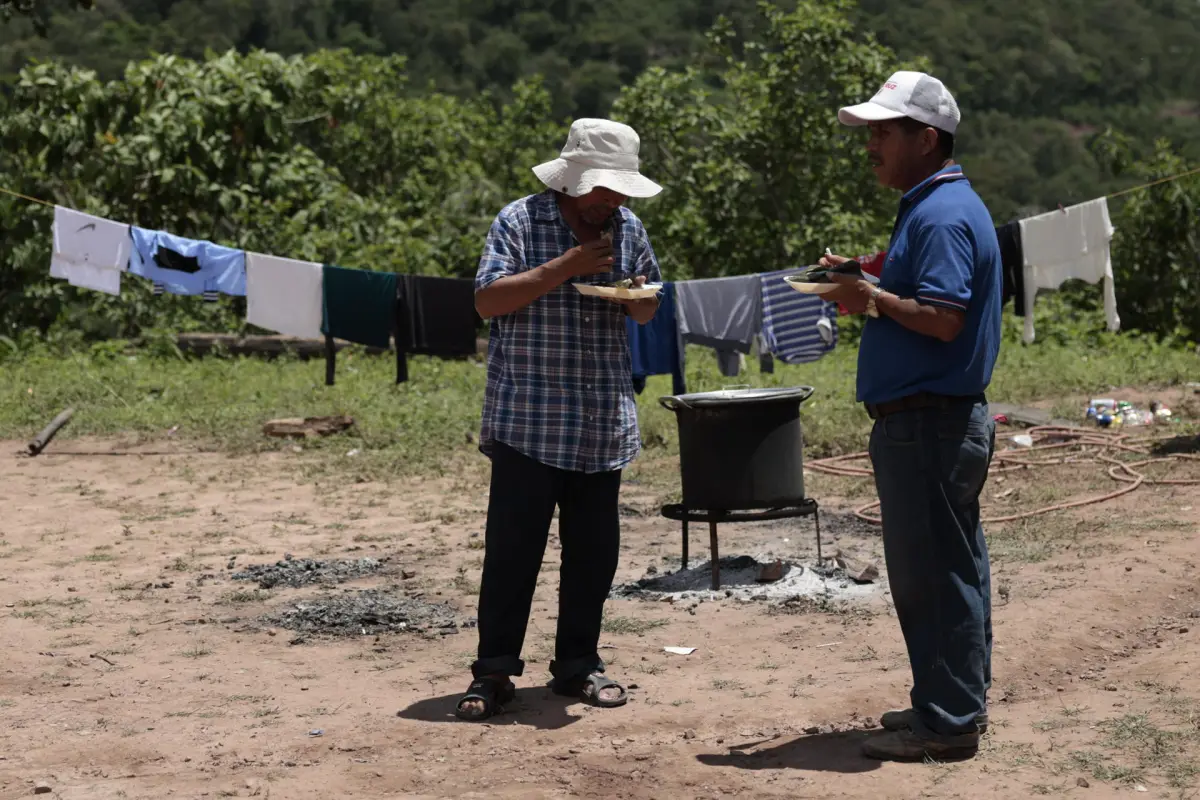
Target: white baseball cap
(907, 94)
(598, 152)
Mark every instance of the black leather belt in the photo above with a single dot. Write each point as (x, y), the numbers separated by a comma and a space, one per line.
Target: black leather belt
(920, 401)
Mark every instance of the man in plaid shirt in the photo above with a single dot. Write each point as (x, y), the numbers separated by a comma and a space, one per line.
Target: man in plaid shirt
(559, 417)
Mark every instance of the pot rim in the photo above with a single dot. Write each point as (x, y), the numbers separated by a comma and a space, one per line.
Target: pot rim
(737, 396)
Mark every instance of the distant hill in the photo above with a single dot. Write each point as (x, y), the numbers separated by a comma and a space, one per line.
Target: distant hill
(1036, 79)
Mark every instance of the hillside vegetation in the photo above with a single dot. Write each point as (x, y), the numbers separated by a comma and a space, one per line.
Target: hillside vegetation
(384, 134)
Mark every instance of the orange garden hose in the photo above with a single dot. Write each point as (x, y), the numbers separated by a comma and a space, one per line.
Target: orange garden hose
(1093, 445)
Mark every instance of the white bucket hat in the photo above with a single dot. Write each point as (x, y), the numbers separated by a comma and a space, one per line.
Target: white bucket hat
(599, 152)
(907, 94)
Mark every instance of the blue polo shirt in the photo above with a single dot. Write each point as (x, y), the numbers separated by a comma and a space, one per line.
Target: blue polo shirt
(943, 252)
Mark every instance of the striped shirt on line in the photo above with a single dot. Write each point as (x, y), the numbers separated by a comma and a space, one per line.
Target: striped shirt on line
(792, 327)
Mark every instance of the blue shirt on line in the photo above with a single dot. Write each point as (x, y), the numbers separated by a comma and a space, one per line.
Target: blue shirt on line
(657, 348)
(943, 252)
(559, 382)
(221, 269)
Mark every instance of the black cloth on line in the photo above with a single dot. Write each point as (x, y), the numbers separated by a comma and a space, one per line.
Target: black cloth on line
(1012, 264)
(436, 316)
(359, 305)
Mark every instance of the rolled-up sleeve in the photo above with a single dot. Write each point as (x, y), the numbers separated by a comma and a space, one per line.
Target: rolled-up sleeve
(944, 255)
(503, 253)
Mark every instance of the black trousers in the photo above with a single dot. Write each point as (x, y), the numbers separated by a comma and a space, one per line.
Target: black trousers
(524, 493)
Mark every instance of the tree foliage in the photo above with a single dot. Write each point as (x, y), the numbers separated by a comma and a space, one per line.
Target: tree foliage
(1156, 252)
(1036, 79)
(320, 157)
(761, 176)
(365, 158)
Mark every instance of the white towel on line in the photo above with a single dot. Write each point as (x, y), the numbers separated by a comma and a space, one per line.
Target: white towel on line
(1072, 243)
(89, 252)
(284, 295)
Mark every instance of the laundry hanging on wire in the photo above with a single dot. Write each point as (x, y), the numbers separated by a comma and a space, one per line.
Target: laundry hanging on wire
(422, 315)
(436, 316)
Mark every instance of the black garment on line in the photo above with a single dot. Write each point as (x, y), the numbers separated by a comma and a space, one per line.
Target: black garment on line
(524, 493)
(167, 258)
(435, 317)
(1012, 265)
(358, 306)
(439, 317)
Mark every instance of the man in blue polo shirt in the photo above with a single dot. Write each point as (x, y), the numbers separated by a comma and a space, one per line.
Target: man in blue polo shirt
(928, 347)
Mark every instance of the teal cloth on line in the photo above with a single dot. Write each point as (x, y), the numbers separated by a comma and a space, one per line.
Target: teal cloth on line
(359, 305)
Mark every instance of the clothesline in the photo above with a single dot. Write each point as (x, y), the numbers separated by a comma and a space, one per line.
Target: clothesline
(1168, 179)
(734, 315)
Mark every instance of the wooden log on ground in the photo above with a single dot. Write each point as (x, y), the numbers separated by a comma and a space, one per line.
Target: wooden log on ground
(202, 344)
(42, 439)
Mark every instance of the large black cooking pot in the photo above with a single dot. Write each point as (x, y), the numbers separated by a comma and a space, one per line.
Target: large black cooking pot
(740, 449)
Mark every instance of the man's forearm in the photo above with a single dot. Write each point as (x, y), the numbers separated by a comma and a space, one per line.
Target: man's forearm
(940, 323)
(514, 292)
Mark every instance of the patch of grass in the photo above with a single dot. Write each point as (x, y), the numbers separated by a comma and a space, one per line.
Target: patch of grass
(196, 651)
(420, 427)
(180, 564)
(1135, 747)
(70, 641)
(634, 625)
(240, 596)
(30, 613)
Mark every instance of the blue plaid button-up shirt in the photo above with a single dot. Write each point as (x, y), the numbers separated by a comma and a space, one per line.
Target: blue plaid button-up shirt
(559, 388)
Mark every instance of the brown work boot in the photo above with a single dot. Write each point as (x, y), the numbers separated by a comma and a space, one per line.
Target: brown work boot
(908, 746)
(901, 720)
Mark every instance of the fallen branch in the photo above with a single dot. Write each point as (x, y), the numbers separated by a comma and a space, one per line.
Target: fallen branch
(42, 439)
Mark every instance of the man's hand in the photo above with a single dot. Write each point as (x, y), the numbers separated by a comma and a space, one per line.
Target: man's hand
(592, 258)
(513, 292)
(642, 311)
(851, 292)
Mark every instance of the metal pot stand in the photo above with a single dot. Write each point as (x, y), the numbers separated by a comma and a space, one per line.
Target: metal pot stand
(772, 487)
(679, 513)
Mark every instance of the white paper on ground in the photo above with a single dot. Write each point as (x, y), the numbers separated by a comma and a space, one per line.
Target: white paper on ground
(680, 651)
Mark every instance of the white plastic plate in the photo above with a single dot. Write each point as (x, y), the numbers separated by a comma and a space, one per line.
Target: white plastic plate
(641, 293)
(811, 288)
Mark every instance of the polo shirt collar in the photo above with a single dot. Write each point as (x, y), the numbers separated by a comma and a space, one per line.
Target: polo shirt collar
(944, 175)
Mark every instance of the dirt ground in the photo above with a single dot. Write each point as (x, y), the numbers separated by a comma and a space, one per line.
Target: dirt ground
(136, 666)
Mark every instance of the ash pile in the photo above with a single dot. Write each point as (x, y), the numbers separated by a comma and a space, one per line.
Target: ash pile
(373, 611)
(749, 578)
(296, 572)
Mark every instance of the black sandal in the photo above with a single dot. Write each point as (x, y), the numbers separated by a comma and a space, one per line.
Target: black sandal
(493, 693)
(588, 687)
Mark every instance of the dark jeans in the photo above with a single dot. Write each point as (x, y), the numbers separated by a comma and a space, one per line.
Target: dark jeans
(930, 467)
(521, 505)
